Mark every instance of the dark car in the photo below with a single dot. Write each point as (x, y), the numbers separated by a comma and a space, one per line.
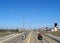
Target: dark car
(39, 36)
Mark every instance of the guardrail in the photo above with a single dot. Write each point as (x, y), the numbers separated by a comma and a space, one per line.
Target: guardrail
(54, 37)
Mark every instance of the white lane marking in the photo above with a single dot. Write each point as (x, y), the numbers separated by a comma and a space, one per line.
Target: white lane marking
(29, 38)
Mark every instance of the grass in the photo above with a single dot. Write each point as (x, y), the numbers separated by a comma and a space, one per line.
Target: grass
(55, 33)
(2, 34)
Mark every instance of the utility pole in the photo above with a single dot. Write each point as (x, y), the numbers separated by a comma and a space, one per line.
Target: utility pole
(23, 24)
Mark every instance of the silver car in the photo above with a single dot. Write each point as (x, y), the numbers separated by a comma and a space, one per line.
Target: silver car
(23, 36)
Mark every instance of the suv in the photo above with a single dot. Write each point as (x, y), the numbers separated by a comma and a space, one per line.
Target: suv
(39, 36)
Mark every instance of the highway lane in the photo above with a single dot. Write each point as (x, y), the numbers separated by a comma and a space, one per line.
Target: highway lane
(2, 38)
(12, 38)
(8, 36)
(49, 39)
(32, 38)
(40, 41)
(19, 39)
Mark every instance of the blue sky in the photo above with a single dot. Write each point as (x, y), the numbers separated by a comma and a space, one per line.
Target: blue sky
(37, 13)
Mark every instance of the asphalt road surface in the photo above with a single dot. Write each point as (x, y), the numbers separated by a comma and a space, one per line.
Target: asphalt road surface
(14, 38)
(31, 38)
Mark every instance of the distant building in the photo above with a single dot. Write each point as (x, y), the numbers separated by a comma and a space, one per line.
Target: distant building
(51, 29)
(55, 28)
(47, 29)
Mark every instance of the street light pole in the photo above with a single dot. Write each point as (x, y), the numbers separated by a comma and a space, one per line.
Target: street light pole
(23, 24)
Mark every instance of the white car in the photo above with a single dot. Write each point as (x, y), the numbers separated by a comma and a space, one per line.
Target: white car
(23, 36)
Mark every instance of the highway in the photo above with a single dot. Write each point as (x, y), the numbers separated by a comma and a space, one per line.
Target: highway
(30, 38)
